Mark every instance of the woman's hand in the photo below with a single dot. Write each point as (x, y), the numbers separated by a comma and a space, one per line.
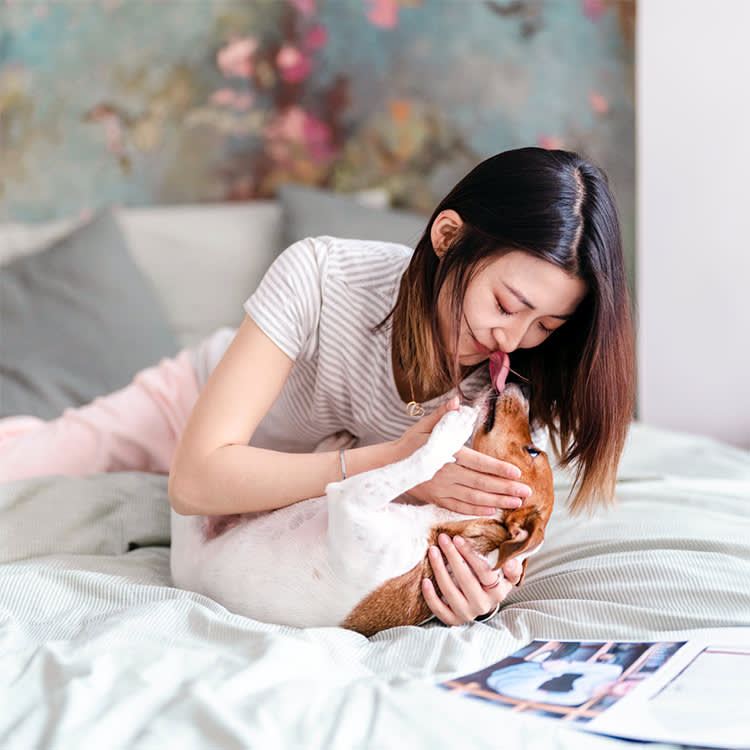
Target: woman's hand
(475, 484)
(474, 589)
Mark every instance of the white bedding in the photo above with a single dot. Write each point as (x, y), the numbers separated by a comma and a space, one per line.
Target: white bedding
(98, 651)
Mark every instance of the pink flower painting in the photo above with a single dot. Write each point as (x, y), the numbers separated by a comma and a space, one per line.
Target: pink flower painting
(235, 60)
(593, 9)
(347, 95)
(293, 64)
(316, 38)
(383, 13)
(305, 7)
(298, 133)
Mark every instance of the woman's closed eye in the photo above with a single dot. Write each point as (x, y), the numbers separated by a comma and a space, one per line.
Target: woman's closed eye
(501, 308)
(504, 310)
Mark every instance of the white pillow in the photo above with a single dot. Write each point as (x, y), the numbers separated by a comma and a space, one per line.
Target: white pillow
(204, 260)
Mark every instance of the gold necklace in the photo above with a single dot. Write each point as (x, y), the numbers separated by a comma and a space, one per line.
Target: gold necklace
(414, 408)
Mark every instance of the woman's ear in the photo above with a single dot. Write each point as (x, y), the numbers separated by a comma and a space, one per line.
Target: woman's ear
(444, 230)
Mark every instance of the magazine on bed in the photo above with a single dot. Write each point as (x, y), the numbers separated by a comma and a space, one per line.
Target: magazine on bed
(693, 691)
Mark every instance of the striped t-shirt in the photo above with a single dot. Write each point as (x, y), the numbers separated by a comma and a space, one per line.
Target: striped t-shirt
(319, 302)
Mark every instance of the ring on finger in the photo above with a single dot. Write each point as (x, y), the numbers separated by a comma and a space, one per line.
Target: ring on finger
(494, 584)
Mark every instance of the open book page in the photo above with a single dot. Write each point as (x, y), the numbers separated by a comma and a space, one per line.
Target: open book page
(692, 691)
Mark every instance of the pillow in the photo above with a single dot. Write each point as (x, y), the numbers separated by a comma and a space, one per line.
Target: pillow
(203, 260)
(77, 320)
(17, 239)
(309, 212)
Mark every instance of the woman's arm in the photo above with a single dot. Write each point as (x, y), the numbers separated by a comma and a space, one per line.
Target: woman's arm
(215, 471)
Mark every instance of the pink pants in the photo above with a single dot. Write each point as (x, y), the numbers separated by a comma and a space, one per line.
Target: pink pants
(134, 429)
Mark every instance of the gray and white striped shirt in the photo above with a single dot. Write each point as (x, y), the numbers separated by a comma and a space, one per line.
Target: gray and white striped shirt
(319, 302)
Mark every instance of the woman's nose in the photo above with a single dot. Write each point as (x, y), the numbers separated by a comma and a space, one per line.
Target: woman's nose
(509, 337)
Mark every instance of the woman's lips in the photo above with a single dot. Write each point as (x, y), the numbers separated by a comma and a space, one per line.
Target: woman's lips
(480, 347)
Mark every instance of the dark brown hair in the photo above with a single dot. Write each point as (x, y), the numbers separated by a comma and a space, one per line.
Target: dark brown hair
(558, 207)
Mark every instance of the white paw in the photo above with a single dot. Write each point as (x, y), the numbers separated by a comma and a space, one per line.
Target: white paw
(453, 430)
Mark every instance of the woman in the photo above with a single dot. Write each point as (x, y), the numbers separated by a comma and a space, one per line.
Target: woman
(523, 256)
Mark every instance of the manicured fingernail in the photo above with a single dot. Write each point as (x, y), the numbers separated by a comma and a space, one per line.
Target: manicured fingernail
(489, 511)
(459, 540)
(516, 502)
(515, 472)
(434, 552)
(525, 491)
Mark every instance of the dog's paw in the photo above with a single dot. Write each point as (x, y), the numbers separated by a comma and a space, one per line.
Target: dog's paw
(453, 430)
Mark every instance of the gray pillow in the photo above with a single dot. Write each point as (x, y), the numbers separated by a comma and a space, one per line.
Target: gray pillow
(309, 212)
(77, 320)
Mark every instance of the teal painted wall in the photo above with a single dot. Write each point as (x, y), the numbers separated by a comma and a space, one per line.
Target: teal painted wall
(172, 101)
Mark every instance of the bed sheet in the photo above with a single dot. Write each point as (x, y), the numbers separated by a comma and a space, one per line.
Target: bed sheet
(97, 650)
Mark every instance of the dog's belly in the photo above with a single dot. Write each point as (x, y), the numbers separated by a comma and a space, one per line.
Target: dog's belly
(276, 567)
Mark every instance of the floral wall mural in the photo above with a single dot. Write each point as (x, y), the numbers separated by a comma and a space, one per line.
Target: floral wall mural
(178, 101)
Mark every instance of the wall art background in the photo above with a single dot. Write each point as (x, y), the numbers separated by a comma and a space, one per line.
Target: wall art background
(176, 101)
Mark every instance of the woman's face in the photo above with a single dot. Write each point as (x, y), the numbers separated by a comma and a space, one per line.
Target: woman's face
(514, 302)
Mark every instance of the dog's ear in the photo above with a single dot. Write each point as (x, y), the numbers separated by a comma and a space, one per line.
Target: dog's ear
(526, 531)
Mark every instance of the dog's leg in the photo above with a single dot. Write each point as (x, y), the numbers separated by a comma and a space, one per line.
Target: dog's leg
(376, 488)
(352, 503)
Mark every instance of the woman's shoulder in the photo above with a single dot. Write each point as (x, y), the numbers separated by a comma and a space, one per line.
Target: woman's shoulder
(362, 264)
(354, 251)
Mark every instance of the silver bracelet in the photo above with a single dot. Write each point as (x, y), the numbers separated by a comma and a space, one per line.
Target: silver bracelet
(489, 615)
(343, 465)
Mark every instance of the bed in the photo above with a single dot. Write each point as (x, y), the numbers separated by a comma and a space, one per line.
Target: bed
(98, 650)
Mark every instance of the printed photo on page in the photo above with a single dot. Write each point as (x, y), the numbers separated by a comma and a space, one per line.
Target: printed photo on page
(690, 691)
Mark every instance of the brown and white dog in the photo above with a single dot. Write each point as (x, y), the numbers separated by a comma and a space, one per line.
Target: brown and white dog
(356, 556)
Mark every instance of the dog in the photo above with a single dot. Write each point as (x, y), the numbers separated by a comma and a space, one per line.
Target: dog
(356, 556)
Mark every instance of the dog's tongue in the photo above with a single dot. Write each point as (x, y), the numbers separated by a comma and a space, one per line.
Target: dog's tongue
(499, 367)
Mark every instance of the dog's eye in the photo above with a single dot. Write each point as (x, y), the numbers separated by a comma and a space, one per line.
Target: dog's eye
(532, 451)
